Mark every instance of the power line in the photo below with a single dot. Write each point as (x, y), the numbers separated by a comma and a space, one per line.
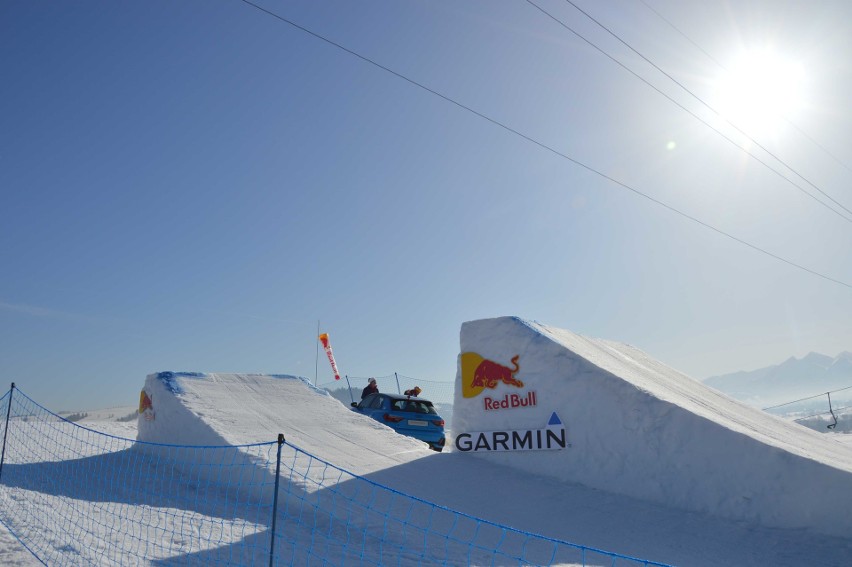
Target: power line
(717, 113)
(808, 398)
(699, 99)
(718, 64)
(540, 144)
(687, 38)
(691, 113)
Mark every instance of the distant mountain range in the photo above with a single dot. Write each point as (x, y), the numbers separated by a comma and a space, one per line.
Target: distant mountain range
(793, 379)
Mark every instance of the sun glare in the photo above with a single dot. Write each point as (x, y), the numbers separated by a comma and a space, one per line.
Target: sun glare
(759, 91)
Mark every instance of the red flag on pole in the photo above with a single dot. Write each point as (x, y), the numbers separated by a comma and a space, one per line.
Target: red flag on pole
(327, 346)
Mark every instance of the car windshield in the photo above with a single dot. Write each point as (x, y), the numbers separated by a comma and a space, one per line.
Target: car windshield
(373, 401)
(414, 406)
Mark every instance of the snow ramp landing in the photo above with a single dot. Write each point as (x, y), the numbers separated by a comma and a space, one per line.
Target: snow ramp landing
(608, 416)
(182, 408)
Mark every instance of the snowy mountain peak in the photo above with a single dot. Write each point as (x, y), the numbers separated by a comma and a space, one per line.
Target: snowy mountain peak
(794, 378)
(842, 365)
(818, 359)
(811, 359)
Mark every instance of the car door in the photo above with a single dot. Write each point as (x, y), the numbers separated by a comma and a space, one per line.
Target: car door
(374, 406)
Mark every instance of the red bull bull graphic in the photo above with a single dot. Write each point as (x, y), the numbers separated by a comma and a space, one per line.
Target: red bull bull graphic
(478, 373)
(552, 437)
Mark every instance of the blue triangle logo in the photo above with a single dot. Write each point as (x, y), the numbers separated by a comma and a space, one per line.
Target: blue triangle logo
(554, 420)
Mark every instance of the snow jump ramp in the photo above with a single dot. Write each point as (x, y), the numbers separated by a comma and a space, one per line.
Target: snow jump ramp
(188, 408)
(606, 415)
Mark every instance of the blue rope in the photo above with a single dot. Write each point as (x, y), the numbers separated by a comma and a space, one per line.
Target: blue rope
(72, 495)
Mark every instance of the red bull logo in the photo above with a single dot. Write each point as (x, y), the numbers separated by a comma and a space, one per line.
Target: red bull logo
(478, 373)
(146, 407)
(144, 402)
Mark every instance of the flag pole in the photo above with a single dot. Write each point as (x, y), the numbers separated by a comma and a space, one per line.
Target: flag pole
(316, 363)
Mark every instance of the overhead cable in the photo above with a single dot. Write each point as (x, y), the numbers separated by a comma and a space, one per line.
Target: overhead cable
(808, 398)
(541, 144)
(708, 106)
(718, 64)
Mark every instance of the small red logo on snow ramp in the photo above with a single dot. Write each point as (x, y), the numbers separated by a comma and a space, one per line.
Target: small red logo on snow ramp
(479, 373)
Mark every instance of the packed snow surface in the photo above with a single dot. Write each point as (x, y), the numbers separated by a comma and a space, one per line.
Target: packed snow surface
(640, 428)
(644, 441)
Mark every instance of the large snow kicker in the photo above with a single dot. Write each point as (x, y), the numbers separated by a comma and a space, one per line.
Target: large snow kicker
(608, 416)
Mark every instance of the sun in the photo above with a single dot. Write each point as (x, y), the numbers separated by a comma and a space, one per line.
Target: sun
(760, 91)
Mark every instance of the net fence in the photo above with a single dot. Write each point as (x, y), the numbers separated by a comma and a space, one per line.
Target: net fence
(75, 496)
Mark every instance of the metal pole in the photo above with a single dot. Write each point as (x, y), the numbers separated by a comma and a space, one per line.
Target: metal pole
(6, 430)
(351, 397)
(831, 411)
(275, 500)
(398, 389)
(316, 364)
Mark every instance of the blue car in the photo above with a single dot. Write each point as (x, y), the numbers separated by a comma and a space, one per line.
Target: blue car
(407, 415)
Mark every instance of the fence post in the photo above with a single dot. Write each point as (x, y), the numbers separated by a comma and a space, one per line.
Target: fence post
(275, 500)
(351, 397)
(398, 389)
(6, 430)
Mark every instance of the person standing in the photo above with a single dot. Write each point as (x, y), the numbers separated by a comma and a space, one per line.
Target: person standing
(372, 388)
(415, 391)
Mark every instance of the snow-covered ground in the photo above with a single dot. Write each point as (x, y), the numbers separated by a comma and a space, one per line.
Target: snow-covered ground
(581, 515)
(240, 409)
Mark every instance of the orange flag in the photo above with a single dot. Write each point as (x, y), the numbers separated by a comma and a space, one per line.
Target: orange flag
(327, 346)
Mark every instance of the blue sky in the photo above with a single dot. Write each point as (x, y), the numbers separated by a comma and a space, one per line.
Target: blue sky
(193, 185)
